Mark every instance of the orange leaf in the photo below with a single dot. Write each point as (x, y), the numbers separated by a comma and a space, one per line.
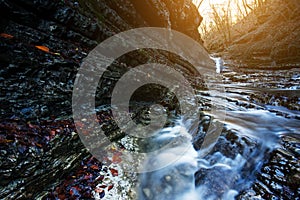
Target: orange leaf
(39, 145)
(5, 35)
(43, 48)
(3, 141)
(95, 167)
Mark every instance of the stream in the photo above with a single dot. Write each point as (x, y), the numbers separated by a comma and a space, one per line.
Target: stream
(255, 156)
(257, 119)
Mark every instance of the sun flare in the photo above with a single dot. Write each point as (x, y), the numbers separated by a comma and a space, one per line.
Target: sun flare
(235, 9)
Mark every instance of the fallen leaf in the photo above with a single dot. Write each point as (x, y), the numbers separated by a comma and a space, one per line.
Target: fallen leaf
(114, 172)
(5, 35)
(43, 48)
(99, 178)
(95, 167)
(39, 145)
(110, 187)
(52, 133)
(3, 141)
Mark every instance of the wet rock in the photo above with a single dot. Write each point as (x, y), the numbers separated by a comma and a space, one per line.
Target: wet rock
(35, 156)
(42, 46)
(69, 32)
(279, 177)
(183, 17)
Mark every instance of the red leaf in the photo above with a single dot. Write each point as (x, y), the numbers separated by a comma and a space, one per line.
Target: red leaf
(114, 172)
(95, 167)
(52, 133)
(99, 178)
(5, 35)
(110, 187)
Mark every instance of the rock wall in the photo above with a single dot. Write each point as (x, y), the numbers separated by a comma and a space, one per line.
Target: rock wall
(184, 16)
(42, 45)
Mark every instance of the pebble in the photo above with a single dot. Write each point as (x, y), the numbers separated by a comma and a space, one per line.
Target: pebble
(168, 178)
(147, 193)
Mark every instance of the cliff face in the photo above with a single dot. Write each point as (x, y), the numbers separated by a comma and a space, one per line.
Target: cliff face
(93, 20)
(68, 30)
(180, 15)
(42, 45)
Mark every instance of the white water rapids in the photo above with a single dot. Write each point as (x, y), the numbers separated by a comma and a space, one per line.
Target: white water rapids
(249, 136)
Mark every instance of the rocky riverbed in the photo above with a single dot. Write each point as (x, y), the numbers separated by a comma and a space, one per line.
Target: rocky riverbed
(252, 158)
(42, 46)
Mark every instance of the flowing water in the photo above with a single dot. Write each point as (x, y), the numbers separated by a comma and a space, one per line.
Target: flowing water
(261, 107)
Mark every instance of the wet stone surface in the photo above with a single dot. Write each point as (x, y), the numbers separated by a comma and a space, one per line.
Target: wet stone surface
(42, 45)
(279, 176)
(257, 154)
(32, 154)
